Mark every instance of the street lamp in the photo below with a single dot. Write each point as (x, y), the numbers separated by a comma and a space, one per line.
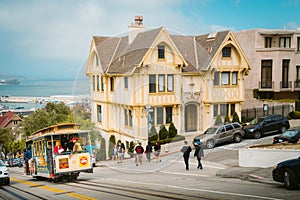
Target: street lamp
(149, 120)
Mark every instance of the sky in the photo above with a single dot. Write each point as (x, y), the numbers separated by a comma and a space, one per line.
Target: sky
(51, 39)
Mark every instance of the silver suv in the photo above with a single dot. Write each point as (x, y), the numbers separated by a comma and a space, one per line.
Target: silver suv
(221, 133)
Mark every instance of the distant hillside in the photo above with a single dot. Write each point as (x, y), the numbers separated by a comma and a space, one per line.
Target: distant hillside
(5, 76)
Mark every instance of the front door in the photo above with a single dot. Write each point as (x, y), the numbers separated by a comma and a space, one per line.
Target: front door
(191, 117)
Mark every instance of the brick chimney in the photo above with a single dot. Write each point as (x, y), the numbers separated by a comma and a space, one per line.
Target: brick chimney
(135, 28)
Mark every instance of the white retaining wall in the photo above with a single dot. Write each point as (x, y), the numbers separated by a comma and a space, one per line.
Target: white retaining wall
(259, 157)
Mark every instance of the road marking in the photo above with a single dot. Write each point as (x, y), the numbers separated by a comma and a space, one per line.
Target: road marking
(54, 190)
(195, 189)
(176, 173)
(204, 165)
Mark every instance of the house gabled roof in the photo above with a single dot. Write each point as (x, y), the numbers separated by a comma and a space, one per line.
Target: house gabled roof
(8, 117)
(118, 56)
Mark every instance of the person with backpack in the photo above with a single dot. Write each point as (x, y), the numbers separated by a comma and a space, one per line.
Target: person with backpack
(139, 151)
(186, 150)
(148, 151)
(157, 149)
(199, 153)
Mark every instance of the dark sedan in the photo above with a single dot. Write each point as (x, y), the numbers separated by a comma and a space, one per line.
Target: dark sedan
(290, 136)
(288, 173)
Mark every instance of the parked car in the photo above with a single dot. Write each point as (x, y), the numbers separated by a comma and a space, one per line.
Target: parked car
(4, 174)
(221, 133)
(6, 163)
(290, 136)
(266, 125)
(288, 173)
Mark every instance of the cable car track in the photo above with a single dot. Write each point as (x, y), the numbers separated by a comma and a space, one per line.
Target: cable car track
(18, 196)
(138, 192)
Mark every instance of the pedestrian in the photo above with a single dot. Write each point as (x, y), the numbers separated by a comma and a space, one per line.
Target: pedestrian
(139, 151)
(27, 155)
(199, 153)
(148, 151)
(120, 152)
(31, 163)
(186, 150)
(157, 149)
(25, 161)
(114, 153)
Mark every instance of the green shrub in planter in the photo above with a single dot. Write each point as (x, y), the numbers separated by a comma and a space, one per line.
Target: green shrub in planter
(294, 115)
(235, 118)
(163, 133)
(218, 120)
(153, 134)
(172, 130)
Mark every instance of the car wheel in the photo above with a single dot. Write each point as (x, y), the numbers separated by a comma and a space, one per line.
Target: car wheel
(210, 144)
(8, 182)
(257, 135)
(237, 138)
(283, 129)
(289, 179)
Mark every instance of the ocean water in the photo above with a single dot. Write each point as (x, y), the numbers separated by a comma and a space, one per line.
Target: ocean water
(46, 88)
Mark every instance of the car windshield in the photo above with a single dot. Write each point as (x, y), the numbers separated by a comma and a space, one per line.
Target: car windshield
(290, 133)
(210, 131)
(1, 163)
(256, 120)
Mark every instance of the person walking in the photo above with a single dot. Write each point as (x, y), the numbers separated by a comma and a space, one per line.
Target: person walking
(186, 150)
(157, 149)
(139, 151)
(199, 154)
(114, 153)
(148, 151)
(120, 151)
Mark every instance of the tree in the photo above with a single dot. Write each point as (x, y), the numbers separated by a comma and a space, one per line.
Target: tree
(172, 130)
(218, 120)
(163, 133)
(6, 139)
(51, 114)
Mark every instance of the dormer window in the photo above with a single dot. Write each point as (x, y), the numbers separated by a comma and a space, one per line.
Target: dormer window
(226, 52)
(161, 52)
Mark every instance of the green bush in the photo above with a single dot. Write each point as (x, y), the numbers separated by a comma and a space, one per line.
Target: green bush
(112, 142)
(163, 133)
(218, 120)
(227, 119)
(169, 140)
(172, 130)
(294, 115)
(153, 134)
(235, 118)
(101, 154)
(256, 94)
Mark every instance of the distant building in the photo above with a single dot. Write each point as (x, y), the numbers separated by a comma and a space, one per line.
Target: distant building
(12, 121)
(275, 57)
(187, 80)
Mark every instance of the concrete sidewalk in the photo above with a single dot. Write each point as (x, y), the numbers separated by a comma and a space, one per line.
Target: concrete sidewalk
(255, 174)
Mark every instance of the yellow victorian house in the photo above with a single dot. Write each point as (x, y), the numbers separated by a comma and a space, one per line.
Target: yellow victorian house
(187, 80)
